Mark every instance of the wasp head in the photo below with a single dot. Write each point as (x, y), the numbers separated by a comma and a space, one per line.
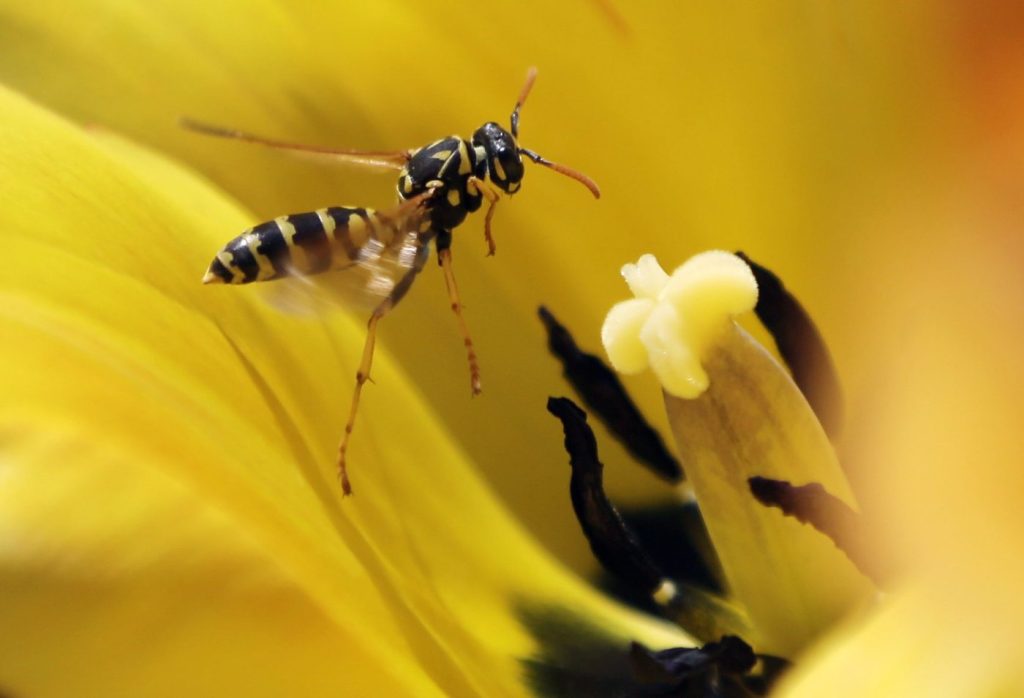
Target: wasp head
(504, 164)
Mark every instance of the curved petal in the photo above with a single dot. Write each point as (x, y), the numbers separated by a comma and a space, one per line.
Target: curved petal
(940, 456)
(115, 578)
(920, 643)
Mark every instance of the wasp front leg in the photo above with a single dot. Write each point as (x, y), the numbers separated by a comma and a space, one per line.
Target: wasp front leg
(490, 192)
(444, 257)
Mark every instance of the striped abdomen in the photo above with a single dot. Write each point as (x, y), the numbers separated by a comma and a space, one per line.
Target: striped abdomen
(303, 243)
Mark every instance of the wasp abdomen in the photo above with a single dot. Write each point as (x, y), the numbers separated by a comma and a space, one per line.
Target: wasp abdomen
(302, 243)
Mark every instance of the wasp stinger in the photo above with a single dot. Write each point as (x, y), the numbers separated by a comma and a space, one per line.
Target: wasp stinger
(438, 186)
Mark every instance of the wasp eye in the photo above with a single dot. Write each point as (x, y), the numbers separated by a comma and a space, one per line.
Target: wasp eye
(504, 164)
(507, 170)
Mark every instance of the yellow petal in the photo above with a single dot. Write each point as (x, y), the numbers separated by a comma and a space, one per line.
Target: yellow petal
(939, 453)
(114, 345)
(920, 643)
(117, 579)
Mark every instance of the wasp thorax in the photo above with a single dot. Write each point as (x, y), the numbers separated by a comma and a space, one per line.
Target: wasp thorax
(504, 164)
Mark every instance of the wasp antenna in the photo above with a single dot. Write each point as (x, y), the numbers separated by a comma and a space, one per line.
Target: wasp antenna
(531, 75)
(223, 132)
(209, 129)
(562, 169)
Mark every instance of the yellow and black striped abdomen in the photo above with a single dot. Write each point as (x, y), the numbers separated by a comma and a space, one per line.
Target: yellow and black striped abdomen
(302, 243)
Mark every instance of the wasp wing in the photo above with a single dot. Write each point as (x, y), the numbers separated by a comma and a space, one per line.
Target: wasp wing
(384, 159)
(373, 258)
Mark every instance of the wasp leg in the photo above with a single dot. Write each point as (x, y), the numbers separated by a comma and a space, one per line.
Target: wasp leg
(492, 196)
(385, 159)
(444, 256)
(408, 205)
(366, 363)
(362, 375)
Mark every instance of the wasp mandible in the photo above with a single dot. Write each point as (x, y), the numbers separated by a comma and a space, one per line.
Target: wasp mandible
(438, 186)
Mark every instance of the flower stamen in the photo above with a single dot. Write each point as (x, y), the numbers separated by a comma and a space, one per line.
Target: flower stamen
(705, 615)
(727, 667)
(604, 395)
(800, 345)
(813, 505)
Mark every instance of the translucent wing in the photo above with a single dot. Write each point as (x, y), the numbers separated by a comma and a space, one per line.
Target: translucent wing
(374, 257)
(385, 159)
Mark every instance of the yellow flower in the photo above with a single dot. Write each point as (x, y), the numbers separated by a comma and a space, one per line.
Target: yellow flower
(169, 516)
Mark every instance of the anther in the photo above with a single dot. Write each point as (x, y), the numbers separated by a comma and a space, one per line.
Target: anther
(612, 542)
(704, 614)
(604, 395)
(730, 655)
(801, 346)
(813, 505)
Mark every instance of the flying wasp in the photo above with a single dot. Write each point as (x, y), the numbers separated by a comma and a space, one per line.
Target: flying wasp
(383, 251)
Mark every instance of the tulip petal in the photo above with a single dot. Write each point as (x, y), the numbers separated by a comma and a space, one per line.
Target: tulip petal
(919, 643)
(115, 579)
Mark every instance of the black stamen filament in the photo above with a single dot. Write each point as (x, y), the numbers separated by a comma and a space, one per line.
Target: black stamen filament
(703, 613)
(604, 395)
(801, 346)
(612, 542)
(813, 505)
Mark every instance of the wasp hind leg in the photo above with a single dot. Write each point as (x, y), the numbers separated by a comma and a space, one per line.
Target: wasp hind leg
(366, 363)
(362, 375)
(444, 257)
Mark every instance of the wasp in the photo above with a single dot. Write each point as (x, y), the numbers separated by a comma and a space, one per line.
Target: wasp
(438, 186)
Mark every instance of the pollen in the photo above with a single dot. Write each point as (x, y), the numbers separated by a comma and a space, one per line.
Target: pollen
(675, 319)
